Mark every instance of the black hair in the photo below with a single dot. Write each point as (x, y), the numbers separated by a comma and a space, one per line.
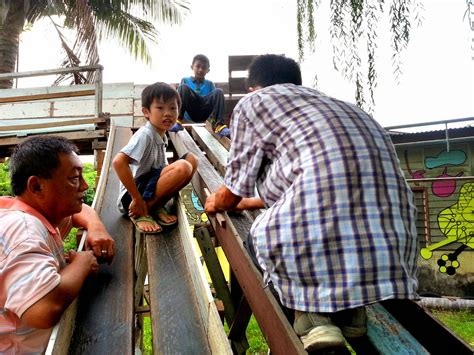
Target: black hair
(271, 69)
(159, 91)
(202, 58)
(37, 156)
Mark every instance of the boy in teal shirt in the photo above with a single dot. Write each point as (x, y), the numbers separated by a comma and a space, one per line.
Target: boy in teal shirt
(201, 99)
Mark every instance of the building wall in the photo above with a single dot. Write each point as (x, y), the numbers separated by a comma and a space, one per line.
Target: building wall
(445, 220)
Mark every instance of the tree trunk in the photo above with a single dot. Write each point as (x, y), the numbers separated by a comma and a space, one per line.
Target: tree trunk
(10, 30)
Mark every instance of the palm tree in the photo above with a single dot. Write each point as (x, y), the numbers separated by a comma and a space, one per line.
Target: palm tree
(130, 22)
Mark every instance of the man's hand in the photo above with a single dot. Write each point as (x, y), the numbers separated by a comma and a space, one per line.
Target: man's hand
(98, 239)
(102, 244)
(222, 200)
(210, 205)
(85, 258)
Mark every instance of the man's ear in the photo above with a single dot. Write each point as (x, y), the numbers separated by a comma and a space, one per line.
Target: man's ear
(145, 111)
(33, 185)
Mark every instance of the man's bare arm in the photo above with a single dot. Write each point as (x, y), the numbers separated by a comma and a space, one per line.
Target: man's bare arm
(98, 239)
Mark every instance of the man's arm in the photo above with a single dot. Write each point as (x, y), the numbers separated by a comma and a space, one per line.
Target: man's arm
(226, 200)
(48, 310)
(98, 239)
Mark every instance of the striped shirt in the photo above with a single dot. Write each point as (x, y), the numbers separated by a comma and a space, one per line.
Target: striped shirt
(339, 228)
(31, 256)
(147, 150)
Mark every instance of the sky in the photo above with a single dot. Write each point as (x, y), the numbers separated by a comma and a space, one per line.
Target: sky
(438, 67)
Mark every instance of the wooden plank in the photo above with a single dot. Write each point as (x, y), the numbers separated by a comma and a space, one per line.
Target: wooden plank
(238, 86)
(105, 319)
(240, 62)
(56, 123)
(47, 96)
(64, 108)
(210, 316)
(387, 335)
(279, 333)
(225, 141)
(215, 151)
(79, 135)
(173, 302)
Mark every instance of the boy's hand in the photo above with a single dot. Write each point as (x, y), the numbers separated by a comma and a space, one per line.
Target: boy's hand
(138, 208)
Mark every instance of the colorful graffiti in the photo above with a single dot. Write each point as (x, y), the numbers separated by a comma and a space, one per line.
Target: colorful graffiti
(445, 188)
(457, 224)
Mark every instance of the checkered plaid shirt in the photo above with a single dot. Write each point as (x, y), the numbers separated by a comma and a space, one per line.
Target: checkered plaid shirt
(339, 228)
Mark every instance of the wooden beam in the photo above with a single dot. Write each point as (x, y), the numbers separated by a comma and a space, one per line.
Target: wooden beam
(72, 135)
(215, 151)
(57, 123)
(225, 141)
(46, 96)
(278, 332)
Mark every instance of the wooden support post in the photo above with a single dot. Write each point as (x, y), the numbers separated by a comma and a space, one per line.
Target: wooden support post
(141, 268)
(220, 285)
(241, 320)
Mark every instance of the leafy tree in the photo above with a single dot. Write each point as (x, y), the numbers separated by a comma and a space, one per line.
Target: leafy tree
(130, 22)
(354, 25)
(5, 189)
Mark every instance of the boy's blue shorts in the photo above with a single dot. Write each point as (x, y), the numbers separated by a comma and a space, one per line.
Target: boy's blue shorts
(146, 185)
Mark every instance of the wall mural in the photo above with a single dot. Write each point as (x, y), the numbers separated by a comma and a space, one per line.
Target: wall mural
(445, 188)
(456, 222)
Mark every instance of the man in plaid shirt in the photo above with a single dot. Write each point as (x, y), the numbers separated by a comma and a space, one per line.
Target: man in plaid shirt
(338, 231)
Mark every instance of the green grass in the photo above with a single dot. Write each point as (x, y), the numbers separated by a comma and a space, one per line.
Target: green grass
(257, 343)
(147, 337)
(460, 322)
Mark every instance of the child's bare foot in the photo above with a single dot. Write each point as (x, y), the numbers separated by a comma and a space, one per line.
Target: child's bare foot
(164, 218)
(146, 224)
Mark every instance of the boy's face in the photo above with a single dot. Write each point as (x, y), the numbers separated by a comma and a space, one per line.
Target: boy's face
(200, 69)
(162, 114)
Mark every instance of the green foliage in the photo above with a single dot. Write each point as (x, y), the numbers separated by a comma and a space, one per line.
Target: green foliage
(5, 189)
(70, 242)
(147, 337)
(257, 342)
(89, 175)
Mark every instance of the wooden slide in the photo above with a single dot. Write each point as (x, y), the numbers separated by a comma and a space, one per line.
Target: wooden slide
(107, 318)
